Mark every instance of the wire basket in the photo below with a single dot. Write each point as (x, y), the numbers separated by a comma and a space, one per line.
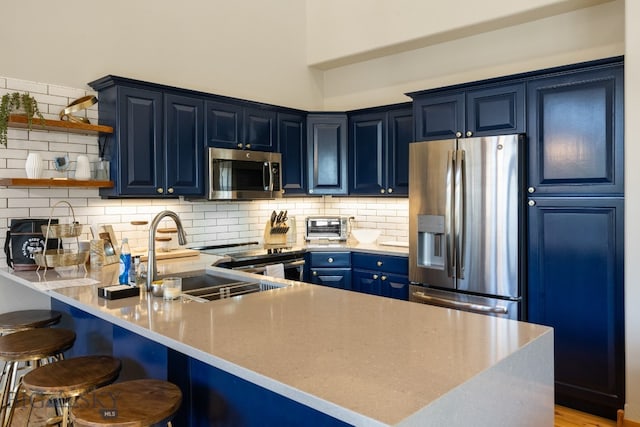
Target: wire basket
(61, 258)
(61, 231)
(51, 258)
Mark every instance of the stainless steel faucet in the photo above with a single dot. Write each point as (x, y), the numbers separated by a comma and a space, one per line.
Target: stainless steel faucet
(152, 269)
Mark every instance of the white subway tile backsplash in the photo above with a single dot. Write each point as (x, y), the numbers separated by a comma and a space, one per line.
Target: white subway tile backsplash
(18, 85)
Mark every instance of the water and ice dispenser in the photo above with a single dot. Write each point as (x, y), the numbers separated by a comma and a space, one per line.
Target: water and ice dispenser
(431, 241)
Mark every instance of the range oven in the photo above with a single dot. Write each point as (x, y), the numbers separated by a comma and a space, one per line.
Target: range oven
(252, 258)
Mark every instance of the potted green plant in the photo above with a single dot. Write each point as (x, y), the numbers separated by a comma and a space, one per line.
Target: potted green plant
(17, 103)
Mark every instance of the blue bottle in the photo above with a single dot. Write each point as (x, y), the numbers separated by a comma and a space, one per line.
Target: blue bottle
(125, 262)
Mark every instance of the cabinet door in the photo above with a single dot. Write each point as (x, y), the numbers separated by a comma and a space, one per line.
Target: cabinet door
(333, 277)
(366, 281)
(576, 133)
(223, 125)
(260, 129)
(140, 147)
(439, 116)
(292, 145)
(184, 143)
(367, 166)
(575, 285)
(327, 154)
(495, 111)
(394, 286)
(399, 136)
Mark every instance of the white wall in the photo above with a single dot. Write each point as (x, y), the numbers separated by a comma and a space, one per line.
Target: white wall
(243, 48)
(632, 209)
(557, 40)
(341, 33)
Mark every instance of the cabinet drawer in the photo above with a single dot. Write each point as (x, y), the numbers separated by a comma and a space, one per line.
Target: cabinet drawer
(330, 259)
(389, 264)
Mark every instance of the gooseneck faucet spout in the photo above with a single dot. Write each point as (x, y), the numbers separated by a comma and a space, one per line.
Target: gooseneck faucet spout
(152, 269)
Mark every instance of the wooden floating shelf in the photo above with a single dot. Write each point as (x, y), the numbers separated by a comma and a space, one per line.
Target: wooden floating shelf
(17, 121)
(53, 182)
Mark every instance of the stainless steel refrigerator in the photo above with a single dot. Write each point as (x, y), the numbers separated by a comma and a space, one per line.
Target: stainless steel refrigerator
(466, 225)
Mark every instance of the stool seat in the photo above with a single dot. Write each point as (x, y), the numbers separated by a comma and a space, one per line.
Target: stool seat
(28, 319)
(65, 380)
(35, 344)
(136, 403)
(72, 377)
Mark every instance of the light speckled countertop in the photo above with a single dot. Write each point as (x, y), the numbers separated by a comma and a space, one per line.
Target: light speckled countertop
(364, 359)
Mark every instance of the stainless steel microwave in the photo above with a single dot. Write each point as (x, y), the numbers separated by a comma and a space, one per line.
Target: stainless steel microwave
(243, 175)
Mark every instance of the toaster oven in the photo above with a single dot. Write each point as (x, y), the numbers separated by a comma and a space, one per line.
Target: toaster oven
(327, 228)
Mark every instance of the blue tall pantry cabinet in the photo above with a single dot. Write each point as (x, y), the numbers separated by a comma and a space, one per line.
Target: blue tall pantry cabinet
(576, 230)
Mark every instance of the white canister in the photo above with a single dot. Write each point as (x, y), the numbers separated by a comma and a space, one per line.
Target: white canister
(33, 165)
(83, 168)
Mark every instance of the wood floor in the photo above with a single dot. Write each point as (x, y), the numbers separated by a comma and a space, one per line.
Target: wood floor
(567, 417)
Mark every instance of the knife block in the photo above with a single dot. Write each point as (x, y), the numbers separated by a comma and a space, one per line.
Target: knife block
(275, 235)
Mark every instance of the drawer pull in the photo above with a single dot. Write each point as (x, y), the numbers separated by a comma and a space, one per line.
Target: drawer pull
(329, 260)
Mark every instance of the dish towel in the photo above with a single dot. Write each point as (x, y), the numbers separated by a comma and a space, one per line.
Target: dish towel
(275, 270)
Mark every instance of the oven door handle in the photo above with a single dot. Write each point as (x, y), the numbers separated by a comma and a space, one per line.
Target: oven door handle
(262, 269)
(267, 176)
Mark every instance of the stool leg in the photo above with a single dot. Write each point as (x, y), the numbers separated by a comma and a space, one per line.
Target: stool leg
(15, 391)
(7, 374)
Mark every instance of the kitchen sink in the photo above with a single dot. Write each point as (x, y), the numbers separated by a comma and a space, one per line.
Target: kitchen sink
(201, 286)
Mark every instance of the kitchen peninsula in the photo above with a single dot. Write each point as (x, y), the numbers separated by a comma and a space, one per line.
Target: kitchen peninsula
(312, 355)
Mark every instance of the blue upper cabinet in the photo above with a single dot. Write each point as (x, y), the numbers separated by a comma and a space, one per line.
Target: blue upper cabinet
(157, 147)
(292, 144)
(379, 151)
(239, 126)
(483, 111)
(223, 125)
(327, 154)
(183, 118)
(576, 132)
(139, 152)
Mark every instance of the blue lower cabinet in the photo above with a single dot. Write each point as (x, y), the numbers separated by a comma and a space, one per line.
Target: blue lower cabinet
(333, 277)
(382, 284)
(381, 275)
(222, 399)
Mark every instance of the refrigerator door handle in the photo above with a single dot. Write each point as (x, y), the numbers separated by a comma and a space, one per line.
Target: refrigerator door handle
(459, 210)
(447, 303)
(448, 212)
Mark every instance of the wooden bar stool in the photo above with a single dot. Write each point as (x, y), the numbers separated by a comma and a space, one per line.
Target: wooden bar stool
(27, 319)
(33, 345)
(136, 403)
(63, 381)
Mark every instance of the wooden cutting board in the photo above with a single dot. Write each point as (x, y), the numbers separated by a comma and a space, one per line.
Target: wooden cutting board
(176, 253)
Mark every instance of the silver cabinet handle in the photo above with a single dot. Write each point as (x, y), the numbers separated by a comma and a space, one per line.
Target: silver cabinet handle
(170, 190)
(315, 273)
(247, 145)
(531, 190)
(159, 190)
(477, 308)
(469, 133)
(458, 134)
(390, 190)
(329, 260)
(383, 277)
(379, 263)
(382, 191)
(375, 277)
(239, 145)
(531, 203)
